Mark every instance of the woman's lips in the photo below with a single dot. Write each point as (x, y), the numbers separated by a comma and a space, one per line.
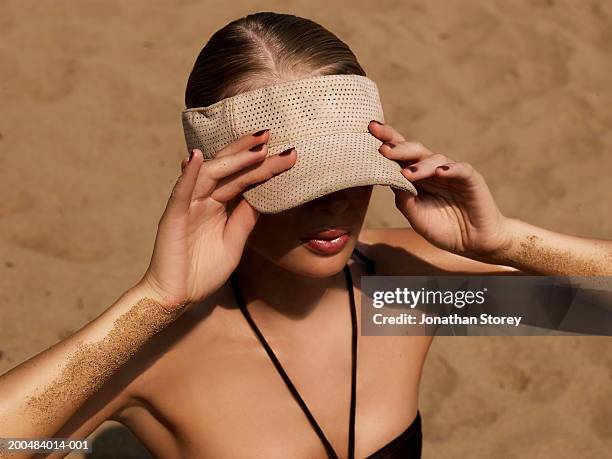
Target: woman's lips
(327, 241)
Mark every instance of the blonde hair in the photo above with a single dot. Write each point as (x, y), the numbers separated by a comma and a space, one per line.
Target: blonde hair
(262, 49)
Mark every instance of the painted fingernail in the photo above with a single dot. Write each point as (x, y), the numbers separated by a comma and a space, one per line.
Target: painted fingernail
(413, 168)
(286, 152)
(389, 144)
(377, 122)
(262, 132)
(257, 147)
(444, 168)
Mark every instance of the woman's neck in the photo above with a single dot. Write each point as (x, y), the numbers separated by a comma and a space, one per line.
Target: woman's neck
(274, 291)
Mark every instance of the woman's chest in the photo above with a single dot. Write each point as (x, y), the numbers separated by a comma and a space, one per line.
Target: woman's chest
(229, 400)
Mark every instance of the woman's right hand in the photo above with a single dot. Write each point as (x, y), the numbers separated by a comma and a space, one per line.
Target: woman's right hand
(198, 242)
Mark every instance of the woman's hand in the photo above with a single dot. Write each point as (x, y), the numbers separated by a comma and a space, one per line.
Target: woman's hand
(199, 243)
(454, 209)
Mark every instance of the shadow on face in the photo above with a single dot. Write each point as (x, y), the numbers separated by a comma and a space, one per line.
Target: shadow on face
(278, 238)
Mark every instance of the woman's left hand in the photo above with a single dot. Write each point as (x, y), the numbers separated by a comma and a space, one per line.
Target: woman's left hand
(454, 209)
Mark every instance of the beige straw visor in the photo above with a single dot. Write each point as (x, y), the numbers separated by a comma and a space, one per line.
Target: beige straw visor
(324, 117)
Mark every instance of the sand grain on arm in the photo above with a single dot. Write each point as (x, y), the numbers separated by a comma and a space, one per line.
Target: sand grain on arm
(40, 395)
(90, 365)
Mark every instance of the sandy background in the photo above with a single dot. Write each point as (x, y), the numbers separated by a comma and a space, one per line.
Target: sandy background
(90, 145)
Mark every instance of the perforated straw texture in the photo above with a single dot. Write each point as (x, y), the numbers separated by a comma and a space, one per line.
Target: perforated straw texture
(324, 117)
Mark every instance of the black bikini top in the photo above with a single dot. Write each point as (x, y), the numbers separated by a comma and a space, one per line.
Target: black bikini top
(406, 446)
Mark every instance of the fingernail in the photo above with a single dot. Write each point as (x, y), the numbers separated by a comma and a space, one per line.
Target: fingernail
(444, 168)
(262, 132)
(413, 168)
(257, 147)
(286, 152)
(191, 155)
(389, 144)
(377, 122)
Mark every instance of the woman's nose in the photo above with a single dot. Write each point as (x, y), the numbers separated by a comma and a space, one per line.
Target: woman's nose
(333, 203)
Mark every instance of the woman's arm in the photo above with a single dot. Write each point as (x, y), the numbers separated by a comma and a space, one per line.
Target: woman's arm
(199, 243)
(537, 250)
(455, 211)
(39, 396)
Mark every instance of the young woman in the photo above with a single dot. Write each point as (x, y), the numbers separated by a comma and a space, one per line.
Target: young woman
(239, 341)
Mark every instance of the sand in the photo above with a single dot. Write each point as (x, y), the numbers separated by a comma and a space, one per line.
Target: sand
(91, 144)
(90, 365)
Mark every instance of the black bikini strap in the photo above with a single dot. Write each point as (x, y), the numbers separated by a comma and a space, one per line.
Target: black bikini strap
(351, 437)
(354, 335)
(369, 263)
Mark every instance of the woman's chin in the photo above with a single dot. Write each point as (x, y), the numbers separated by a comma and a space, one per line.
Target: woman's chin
(313, 261)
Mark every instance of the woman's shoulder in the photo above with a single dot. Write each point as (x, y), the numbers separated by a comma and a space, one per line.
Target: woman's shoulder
(402, 251)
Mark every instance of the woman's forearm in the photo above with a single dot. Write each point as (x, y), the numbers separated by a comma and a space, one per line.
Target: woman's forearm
(537, 250)
(39, 396)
